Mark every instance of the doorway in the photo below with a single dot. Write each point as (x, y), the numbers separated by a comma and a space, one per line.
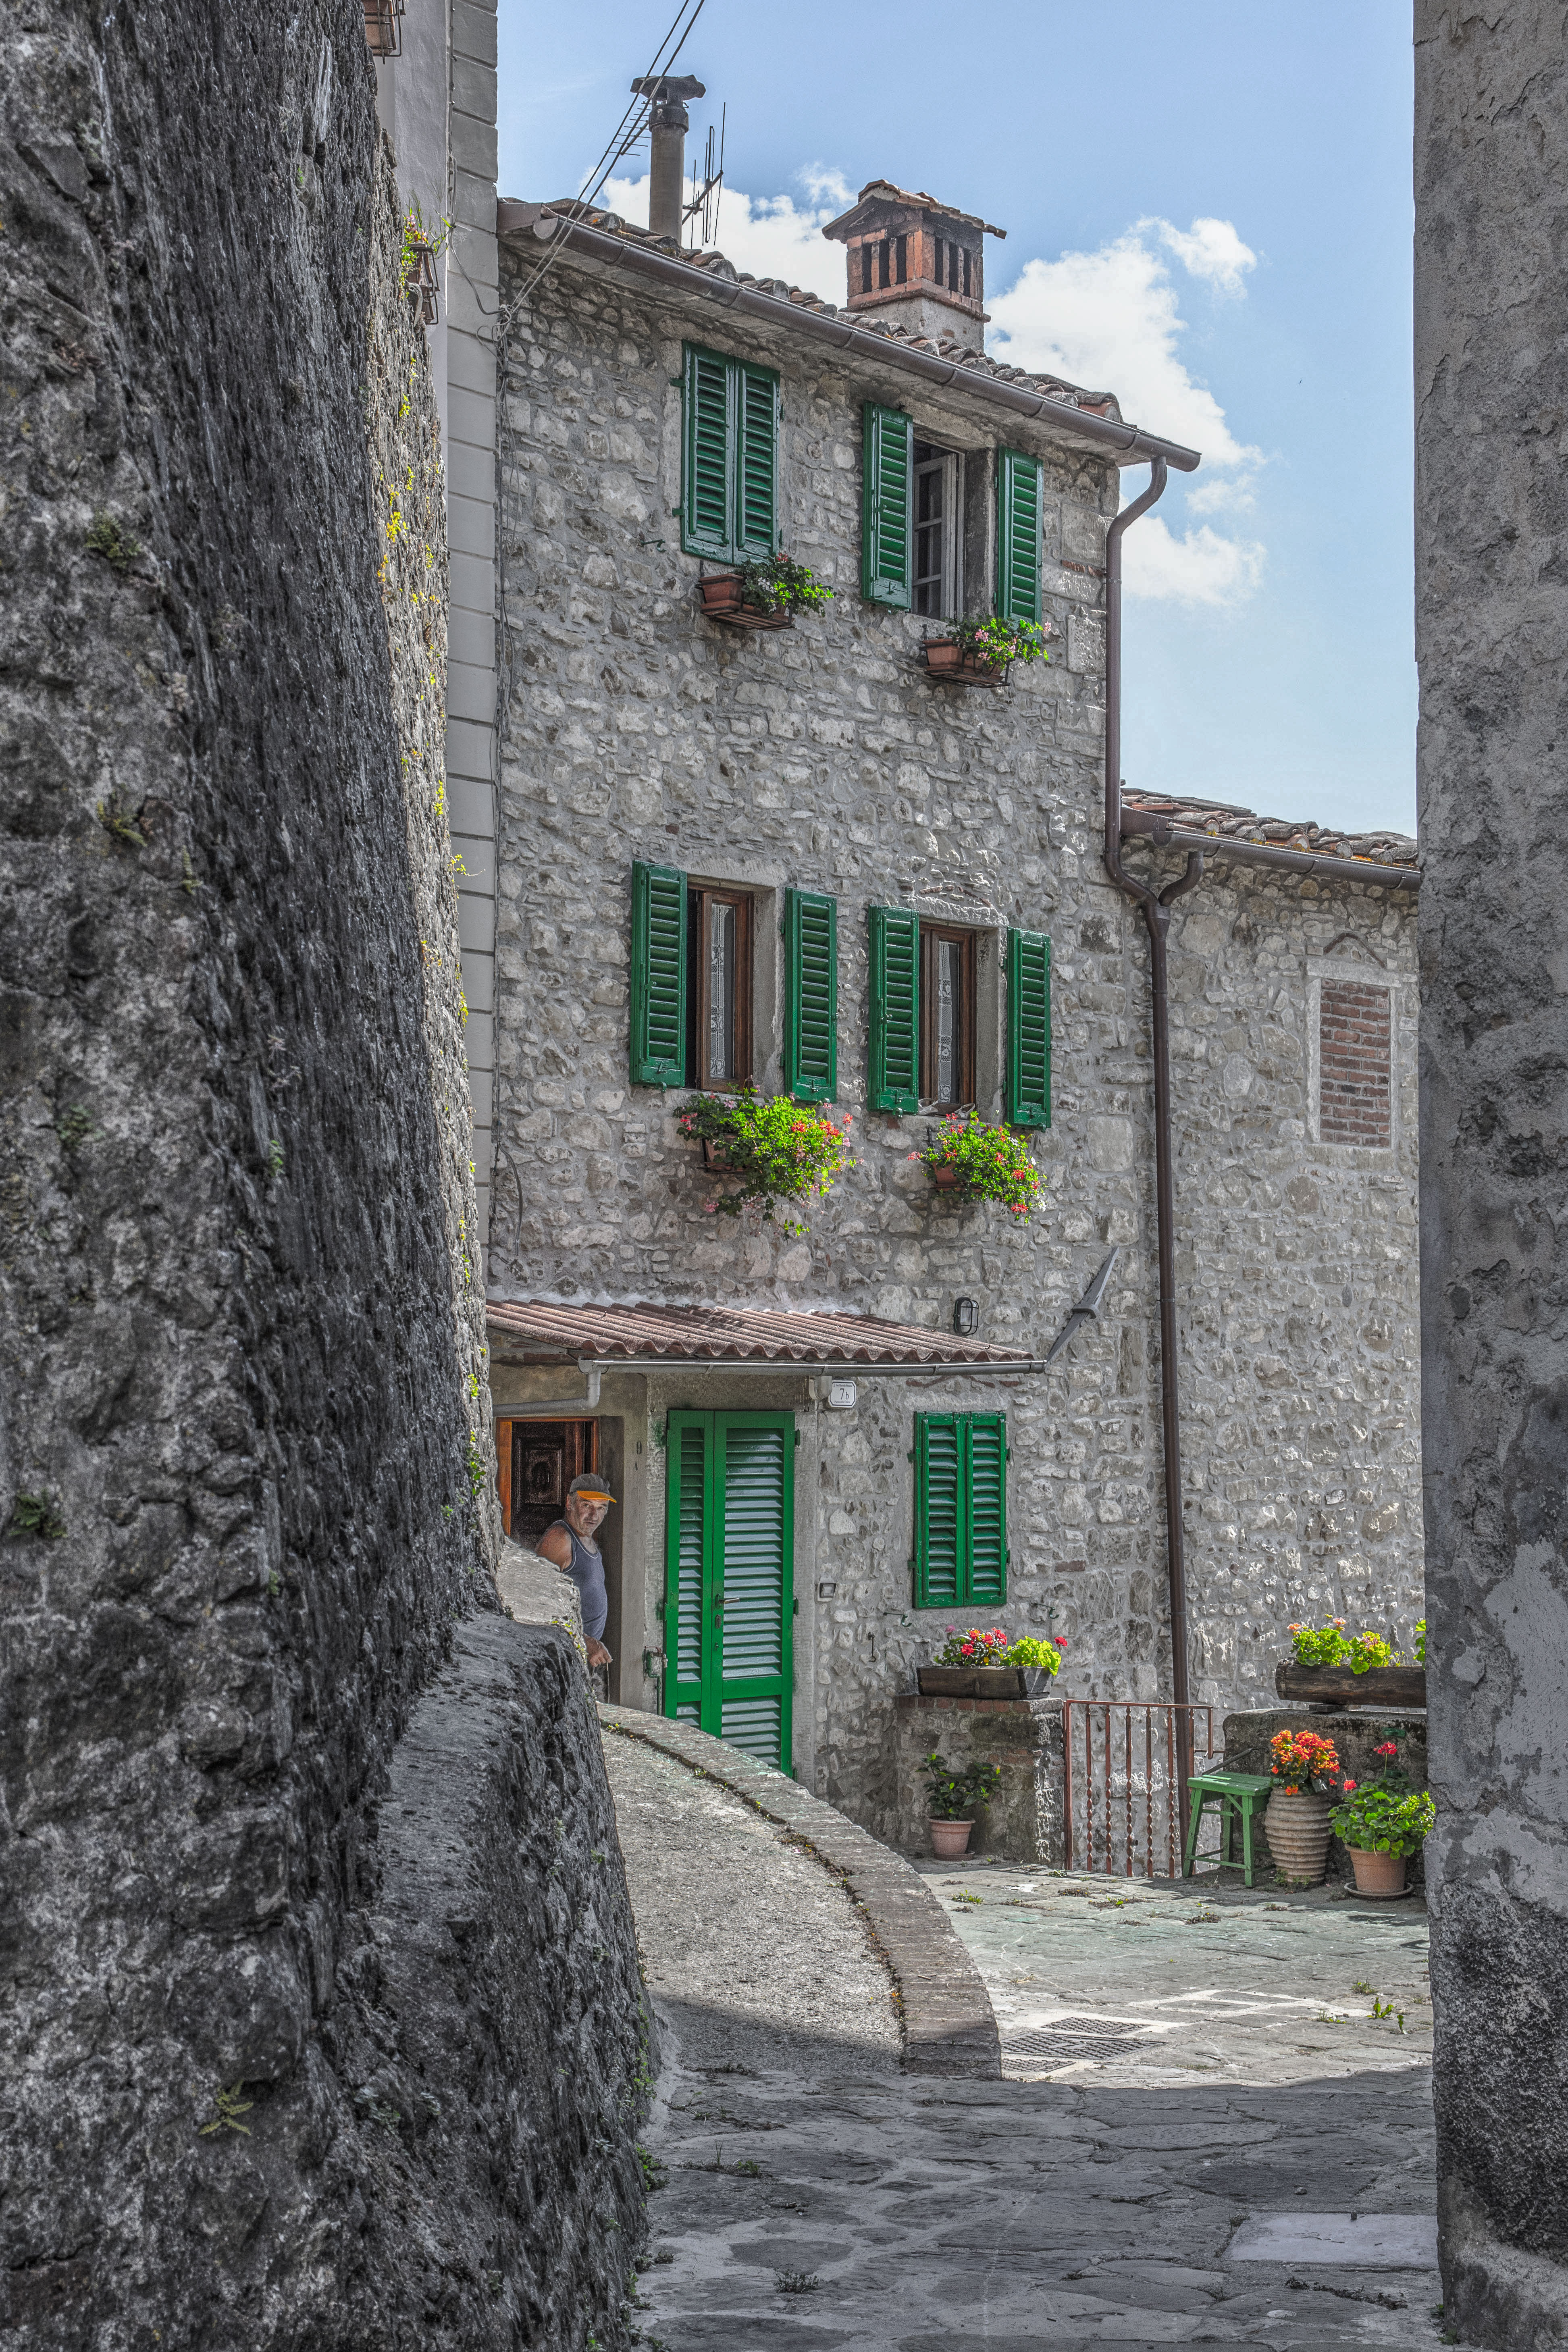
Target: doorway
(536, 1462)
(729, 1609)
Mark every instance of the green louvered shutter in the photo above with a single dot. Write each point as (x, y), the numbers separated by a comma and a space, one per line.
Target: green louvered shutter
(690, 1511)
(960, 1509)
(888, 437)
(811, 996)
(985, 1500)
(658, 977)
(1018, 536)
(756, 414)
(1029, 1029)
(937, 1478)
(708, 468)
(753, 1495)
(895, 1009)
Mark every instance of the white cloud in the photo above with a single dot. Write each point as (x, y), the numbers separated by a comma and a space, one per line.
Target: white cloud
(770, 237)
(1210, 249)
(1197, 568)
(1110, 320)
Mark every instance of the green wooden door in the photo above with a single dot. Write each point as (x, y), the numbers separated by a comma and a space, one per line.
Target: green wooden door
(729, 1609)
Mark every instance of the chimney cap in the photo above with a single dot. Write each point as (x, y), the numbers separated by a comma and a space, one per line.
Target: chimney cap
(878, 197)
(676, 87)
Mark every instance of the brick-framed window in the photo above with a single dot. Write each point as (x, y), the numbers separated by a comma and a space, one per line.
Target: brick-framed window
(1352, 1056)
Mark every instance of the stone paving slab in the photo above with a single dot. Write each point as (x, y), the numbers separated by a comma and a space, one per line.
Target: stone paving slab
(949, 2028)
(833, 2202)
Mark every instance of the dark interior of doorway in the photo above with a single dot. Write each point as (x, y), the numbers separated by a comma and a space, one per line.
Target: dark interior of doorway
(536, 1462)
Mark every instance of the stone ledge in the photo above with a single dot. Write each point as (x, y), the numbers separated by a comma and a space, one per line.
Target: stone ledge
(921, 1702)
(949, 2028)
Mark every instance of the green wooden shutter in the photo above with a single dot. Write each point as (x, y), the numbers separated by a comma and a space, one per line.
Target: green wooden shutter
(1029, 1029)
(690, 1510)
(754, 1507)
(960, 1509)
(658, 977)
(986, 1501)
(1018, 536)
(895, 1009)
(708, 486)
(886, 532)
(938, 1473)
(811, 996)
(756, 412)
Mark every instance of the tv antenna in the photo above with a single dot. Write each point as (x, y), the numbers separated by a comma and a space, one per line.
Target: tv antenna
(705, 199)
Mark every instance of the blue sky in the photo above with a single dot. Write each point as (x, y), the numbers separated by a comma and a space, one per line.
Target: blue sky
(1208, 213)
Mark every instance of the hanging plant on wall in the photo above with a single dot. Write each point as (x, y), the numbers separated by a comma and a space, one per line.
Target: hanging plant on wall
(983, 1163)
(980, 652)
(764, 594)
(775, 1149)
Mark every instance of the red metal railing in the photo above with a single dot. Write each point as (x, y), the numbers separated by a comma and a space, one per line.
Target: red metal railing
(1124, 1790)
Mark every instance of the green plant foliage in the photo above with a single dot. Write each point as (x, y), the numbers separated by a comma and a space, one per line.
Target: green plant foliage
(1319, 1645)
(1421, 1641)
(1002, 642)
(776, 583)
(1367, 1650)
(778, 1148)
(230, 2107)
(973, 1647)
(993, 1162)
(35, 1514)
(1047, 1656)
(117, 817)
(74, 1127)
(954, 1795)
(117, 547)
(1379, 1820)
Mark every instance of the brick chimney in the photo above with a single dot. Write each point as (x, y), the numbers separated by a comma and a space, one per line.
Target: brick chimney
(916, 263)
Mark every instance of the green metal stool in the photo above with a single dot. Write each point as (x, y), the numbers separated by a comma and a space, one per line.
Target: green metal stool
(1240, 1796)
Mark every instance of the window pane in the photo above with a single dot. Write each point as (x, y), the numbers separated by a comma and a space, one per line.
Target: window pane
(930, 527)
(948, 1013)
(720, 993)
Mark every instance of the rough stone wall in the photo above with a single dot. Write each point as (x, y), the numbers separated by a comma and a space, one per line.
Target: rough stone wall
(1491, 183)
(240, 1485)
(820, 757)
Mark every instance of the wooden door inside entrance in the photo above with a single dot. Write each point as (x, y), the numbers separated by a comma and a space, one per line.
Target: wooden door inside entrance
(729, 1610)
(536, 1462)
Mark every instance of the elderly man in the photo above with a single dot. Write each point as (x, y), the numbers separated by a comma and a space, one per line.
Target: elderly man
(568, 1544)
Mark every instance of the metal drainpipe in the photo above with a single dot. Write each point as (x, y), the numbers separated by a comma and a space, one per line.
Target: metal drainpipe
(1156, 910)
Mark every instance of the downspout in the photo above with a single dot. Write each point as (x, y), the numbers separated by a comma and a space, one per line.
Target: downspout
(1156, 910)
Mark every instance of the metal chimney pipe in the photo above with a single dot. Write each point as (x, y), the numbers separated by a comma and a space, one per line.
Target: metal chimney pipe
(670, 124)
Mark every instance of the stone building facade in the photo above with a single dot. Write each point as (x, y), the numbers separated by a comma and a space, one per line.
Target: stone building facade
(822, 759)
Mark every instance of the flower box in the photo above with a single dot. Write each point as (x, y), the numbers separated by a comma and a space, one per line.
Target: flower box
(947, 1180)
(972, 1681)
(946, 659)
(723, 598)
(1337, 1686)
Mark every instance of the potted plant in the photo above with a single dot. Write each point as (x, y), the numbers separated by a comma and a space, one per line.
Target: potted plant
(421, 247)
(1382, 1821)
(775, 1148)
(1329, 1667)
(983, 1163)
(980, 652)
(1039, 1663)
(764, 593)
(1296, 1818)
(954, 1796)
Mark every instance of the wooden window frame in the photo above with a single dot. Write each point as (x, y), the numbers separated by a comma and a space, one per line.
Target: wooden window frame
(950, 523)
(702, 898)
(930, 933)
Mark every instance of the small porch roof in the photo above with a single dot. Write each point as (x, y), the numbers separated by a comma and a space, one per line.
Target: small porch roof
(642, 1335)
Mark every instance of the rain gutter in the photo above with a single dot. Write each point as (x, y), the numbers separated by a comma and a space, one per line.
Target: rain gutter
(1129, 446)
(1144, 824)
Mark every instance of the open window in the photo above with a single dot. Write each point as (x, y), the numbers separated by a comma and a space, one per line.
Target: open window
(947, 1017)
(718, 989)
(937, 582)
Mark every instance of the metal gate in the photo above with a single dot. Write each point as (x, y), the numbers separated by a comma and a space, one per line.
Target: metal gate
(1127, 1762)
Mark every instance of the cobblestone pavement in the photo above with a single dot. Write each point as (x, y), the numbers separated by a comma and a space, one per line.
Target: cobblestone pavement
(813, 2197)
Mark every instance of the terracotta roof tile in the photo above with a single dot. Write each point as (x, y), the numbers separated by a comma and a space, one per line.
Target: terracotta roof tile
(545, 1330)
(1229, 823)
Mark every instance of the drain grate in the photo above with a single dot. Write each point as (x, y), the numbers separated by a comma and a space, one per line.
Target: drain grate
(1074, 2037)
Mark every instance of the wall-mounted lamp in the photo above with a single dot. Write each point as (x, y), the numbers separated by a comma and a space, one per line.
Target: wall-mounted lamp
(965, 1318)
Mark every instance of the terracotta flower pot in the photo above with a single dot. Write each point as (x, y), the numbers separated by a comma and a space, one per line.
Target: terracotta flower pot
(950, 1838)
(1297, 1828)
(1378, 1875)
(947, 1176)
(945, 657)
(723, 599)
